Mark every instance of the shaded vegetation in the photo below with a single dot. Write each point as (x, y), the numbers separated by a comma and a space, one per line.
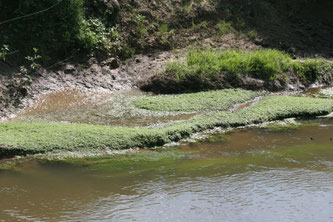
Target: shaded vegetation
(53, 32)
(127, 27)
(144, 160)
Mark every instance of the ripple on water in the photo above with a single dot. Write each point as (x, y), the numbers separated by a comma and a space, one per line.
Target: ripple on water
(256, 175)
(273, 195)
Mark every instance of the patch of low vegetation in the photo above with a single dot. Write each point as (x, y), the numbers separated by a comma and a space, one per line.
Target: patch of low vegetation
(38, 137)
(224, 27)
(266, 64)
(201, 101)
(146, 160)
(216, 69)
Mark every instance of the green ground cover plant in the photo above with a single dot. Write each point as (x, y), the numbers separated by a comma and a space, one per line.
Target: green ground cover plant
(266, 64)
(201, 101)
(40, 137)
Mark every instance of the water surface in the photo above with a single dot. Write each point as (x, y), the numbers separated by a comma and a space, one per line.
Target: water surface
(256, 175)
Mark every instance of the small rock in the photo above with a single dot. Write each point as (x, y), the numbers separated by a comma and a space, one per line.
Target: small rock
(113, 63)
(92, 60)
(290, 87)
(252, 83)
(88, 85)
(69, 69)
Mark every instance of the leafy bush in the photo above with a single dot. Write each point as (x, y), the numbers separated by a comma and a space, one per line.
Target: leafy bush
(94, 35)
(54, 30)
(308, 69)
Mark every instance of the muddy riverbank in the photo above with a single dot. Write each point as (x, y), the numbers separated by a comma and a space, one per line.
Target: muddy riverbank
(35, 132)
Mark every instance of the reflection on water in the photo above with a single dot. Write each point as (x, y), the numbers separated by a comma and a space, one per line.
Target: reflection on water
(258, 175)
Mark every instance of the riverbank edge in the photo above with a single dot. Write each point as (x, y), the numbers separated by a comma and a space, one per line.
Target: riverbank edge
(263, 69)
(25, 138)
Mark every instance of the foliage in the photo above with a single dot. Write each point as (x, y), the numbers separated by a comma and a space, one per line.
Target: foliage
(224, 27)
(94, 35)
(33, 59)
(3, 52)
(308, 69)
(211, 100)
(141, 20)
(53, 31)
(163, 28)
(266, 64)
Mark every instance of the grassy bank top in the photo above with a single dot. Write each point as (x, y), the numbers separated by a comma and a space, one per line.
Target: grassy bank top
(34, 137)
(266, 64)
(202, 101)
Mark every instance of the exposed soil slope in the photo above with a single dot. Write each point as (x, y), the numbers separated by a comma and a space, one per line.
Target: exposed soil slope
(146, 32)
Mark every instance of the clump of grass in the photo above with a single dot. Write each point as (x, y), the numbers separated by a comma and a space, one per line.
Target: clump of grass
(265, 64)
(310, 69)
(252, 34)
(210, 100)
(224, 27)
(30, 137)
(163, 29)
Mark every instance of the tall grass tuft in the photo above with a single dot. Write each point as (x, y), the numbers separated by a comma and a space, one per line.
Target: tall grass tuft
(266, 64)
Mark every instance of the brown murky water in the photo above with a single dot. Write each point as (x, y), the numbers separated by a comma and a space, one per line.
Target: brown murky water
(95, 107)
(257, 175)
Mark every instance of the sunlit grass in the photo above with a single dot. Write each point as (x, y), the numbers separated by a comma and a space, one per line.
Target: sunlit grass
(210, 100)
(266, 64)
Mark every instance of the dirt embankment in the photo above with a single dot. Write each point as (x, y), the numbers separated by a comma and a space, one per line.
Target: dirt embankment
(110, 75)
(153, 30)
(166, 83)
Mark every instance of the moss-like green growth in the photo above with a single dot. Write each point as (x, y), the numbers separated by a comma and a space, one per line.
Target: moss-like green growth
(32, 137)
(211, 100)
(218, 138)
(288, 126)
(263, 64)
(119, 162)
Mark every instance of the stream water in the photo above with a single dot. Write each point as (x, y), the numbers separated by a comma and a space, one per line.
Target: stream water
(95, 107)
(254, 175)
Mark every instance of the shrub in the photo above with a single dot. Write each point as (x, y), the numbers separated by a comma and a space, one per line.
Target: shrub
(94, 35)
(52, 31)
